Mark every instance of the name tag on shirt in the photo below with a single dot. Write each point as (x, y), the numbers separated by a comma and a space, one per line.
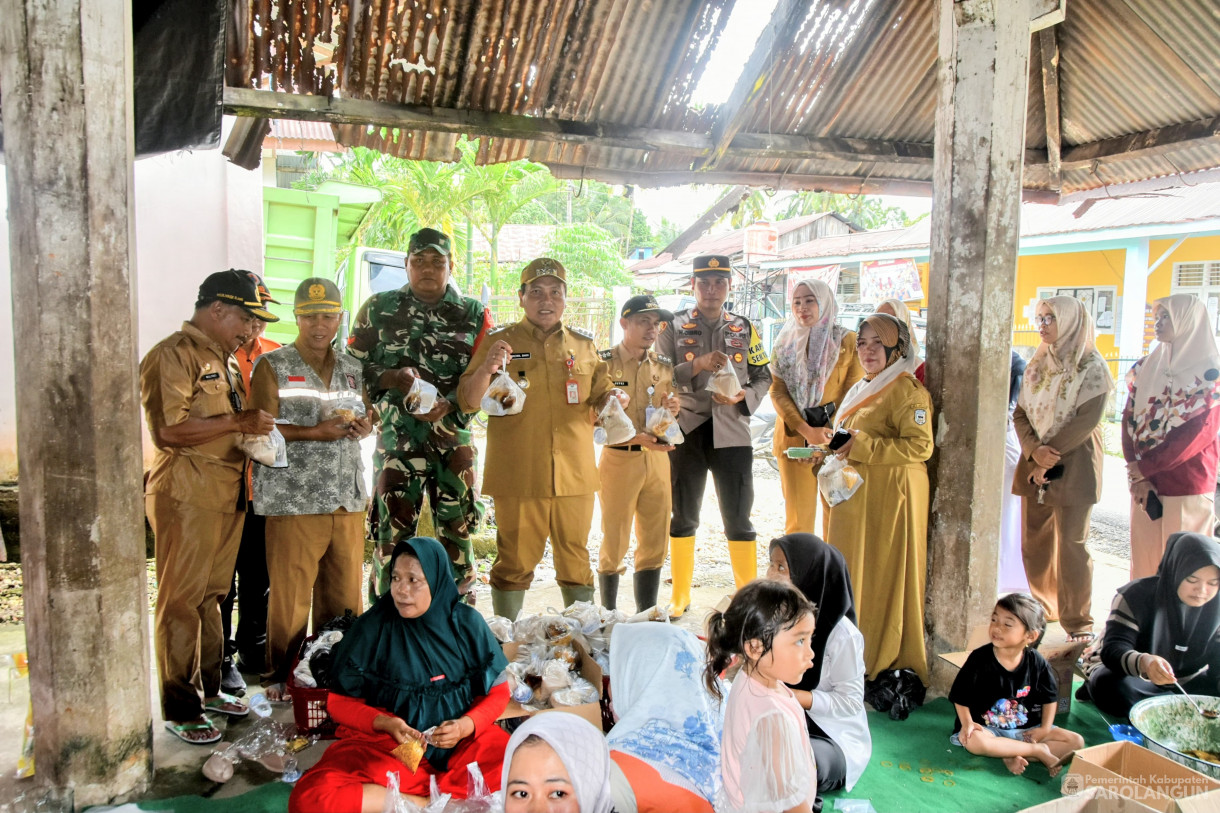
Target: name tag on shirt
(210, 377)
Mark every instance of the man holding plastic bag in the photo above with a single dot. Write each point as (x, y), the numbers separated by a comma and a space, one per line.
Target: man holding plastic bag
(722, 375)
(193, 397)
(540, 465)
(634, 474)
(414, 344)
(315, 505)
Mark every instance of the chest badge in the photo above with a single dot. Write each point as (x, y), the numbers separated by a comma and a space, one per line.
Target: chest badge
(737, 357)
(736, 328)
(690, 326)
(689, 356)
(690, 342)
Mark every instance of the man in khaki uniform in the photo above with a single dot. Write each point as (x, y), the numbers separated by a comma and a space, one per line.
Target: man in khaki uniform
(193, 394)
(635, 476)
(540, 465)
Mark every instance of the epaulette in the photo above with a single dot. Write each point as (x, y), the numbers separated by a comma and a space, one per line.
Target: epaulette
(605, 355)
(663, 359)
(498, 329)
(580, 331)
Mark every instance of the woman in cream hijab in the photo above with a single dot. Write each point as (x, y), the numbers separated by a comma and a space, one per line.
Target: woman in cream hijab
(1169, 430)
(813, 364)
(898, 309)
(1063, 397)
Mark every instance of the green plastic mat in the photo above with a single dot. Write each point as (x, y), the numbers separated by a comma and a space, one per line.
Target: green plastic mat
(915, 769)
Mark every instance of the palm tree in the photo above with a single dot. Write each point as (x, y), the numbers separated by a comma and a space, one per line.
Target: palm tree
(504, 189)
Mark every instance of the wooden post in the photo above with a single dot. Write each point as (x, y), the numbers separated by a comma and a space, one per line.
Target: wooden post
(980, 134)
(65, 75)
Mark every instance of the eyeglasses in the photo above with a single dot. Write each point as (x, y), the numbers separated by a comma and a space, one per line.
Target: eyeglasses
(1049, 319)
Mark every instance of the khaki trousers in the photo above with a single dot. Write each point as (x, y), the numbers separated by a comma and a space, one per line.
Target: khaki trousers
(1148, 537)
(522, 527)
(799, 484)
(1057, 563)
(635, 488)
(311, 558)
(196, 551)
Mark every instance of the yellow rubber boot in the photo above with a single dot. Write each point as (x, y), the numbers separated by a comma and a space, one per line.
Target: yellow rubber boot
(743, 556)
(682, 571)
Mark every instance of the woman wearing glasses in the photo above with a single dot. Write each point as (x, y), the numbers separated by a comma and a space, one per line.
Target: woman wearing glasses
(1169, 431)
(1063, 398)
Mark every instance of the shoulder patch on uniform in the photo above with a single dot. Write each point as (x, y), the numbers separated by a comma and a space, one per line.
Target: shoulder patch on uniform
(921, 416)
(605, 355)
(498, 329)
(580, 331)
(664, 359)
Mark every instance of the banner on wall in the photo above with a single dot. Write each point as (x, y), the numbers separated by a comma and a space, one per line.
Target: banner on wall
(828, 274)
(890, 279)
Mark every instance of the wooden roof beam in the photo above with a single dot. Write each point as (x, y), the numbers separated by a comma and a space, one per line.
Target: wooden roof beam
(1142, 145)
(1048, 46)
(718, 210)
(776, 37)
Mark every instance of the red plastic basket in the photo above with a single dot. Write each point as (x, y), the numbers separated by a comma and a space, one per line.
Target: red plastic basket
(309, 705)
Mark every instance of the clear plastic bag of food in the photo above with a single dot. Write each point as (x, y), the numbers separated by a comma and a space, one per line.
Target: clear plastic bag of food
(614, 427)
(580, 692)
(421, 398)
(501, 627)
(556, 675)
(724, 382)
(348, 408)
(659, 422)
(585, 613)
(838, 480)
(271, 450)
(503, 396)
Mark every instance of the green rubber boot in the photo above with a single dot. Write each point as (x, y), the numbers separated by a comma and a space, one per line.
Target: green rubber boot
(507, 603)
(608, 583)
(576, 592)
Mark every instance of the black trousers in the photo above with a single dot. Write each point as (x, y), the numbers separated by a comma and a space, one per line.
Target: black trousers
(828, 756)
(732, 471)
(249, 587)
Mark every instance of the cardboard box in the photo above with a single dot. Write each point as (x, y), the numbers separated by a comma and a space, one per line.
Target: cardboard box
(589, 670)
(1060, 656)
(1136, 773)
(1093, 800)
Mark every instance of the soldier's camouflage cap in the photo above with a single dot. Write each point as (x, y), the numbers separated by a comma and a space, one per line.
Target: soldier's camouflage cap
(430, 238)
(543, 267)
(317, 295)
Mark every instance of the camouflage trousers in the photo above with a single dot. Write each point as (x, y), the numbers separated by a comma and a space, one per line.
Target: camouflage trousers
(403, 479)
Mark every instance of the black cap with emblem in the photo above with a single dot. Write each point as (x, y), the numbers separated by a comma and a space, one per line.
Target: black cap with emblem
(712, 265)
(644, 303)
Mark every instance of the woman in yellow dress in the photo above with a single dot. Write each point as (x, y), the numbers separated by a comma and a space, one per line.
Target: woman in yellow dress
(882, 529)
(813, 363)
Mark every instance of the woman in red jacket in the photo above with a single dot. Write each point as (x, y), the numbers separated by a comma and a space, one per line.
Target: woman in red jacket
(1169, 431)
(419, 660)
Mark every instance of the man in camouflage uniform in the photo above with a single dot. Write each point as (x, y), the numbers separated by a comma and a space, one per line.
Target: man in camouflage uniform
(425, 330)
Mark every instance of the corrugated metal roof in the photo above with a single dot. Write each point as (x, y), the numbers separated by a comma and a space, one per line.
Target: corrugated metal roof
(852, 69)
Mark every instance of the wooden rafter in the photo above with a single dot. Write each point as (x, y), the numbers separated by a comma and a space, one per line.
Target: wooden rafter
(775, 38)
(1049, 47)
(1143, 145)
(718, 210)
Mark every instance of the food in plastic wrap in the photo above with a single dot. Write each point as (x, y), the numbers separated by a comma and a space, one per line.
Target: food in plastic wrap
(303, 674)
(587, 614)
(410, 753)
(501, 627)
(724, 382)
(580, 692)
(349, 409)
(566, 654)
(662, 424)
(614, 425)
(838, 481)
(655, 613)
(421, 398)
(556, 675)
(559, 630)
(504, 396)
(271, 450)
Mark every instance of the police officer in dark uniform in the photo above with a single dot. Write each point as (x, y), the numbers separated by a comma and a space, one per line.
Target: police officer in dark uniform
(701, 341)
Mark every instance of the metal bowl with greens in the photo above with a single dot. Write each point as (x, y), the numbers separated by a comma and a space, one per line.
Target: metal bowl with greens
(1173, 728)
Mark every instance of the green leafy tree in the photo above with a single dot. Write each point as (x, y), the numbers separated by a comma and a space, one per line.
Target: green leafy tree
(505, 190)
(864, 211)
(591, 256)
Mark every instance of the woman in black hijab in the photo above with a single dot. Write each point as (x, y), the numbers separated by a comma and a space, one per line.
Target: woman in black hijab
(832, 691)
(1163, 627)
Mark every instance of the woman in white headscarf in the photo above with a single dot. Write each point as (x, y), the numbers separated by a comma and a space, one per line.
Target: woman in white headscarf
(665, 743)
(560, 759)
(813, 365)
(1169, 431)
(1063, 397)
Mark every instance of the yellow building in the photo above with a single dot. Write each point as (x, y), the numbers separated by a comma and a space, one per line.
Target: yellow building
(1117, 255)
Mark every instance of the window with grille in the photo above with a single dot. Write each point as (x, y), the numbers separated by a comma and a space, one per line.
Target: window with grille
(1203, 280)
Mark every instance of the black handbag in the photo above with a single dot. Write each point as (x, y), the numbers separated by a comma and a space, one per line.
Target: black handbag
(819, 416)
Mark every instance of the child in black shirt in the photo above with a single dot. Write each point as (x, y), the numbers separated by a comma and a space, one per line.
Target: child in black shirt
(1005, 693)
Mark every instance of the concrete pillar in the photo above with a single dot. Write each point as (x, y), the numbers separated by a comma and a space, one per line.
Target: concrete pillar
(980, 135)
(65, 76)
(1135, 297)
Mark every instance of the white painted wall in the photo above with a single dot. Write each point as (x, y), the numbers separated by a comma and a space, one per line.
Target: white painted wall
(196, 213)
